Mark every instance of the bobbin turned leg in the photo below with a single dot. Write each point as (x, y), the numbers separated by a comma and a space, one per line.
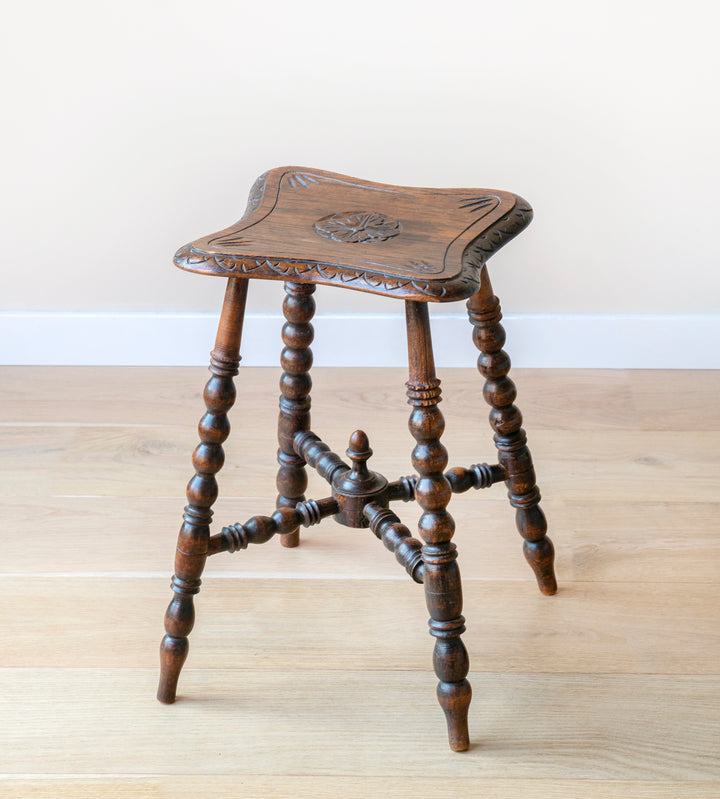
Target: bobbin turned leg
(295, 385)
(443, 590)
(510, 439)
(202, 490)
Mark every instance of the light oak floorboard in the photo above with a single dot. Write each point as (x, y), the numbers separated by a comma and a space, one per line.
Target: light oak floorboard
(310, 669)
(360, 723)
(316, 624)
(185, 786)
(559, 399)
(662, 542)
(132, 461)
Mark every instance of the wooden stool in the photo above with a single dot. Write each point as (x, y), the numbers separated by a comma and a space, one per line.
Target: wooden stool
(305, 227)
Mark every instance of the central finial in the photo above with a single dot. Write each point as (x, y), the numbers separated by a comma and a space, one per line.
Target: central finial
(354, 488)
(359, 453)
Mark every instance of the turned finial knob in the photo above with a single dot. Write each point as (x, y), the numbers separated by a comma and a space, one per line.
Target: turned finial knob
(359, 452)
(354, 488)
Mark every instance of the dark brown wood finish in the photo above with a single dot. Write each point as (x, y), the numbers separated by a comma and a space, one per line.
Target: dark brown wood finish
(295, 385)
(510, 439)
(443, 591)
(395, 535)
(202, 490)
(353, 489)
(307, 227)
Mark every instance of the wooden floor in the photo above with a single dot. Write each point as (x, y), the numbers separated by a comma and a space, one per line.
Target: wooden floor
(309, 672)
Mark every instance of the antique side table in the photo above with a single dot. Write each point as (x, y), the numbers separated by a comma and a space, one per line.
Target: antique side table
(305, 226)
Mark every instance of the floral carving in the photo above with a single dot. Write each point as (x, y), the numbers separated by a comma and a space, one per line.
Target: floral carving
(357, 227)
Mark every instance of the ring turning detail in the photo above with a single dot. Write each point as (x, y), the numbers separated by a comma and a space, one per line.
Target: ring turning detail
(420, 245)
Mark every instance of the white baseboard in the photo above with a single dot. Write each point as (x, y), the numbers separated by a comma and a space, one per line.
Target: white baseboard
(614, 341)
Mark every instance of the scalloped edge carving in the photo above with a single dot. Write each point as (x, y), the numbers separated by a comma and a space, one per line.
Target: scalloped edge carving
(458, 287)
(498, 235)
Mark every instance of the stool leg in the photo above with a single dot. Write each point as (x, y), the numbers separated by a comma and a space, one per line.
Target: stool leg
(295, 385)
(443, 590)
(510, 439)
(202, 489)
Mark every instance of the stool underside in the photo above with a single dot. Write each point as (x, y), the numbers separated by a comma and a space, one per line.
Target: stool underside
(311, 226)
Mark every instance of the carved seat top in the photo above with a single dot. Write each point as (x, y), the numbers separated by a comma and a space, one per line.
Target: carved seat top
(306, 225)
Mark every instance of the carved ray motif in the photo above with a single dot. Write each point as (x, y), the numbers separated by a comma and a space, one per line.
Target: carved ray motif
(425, 266)
(296, 179)
(474, 204)
(256, 194)
(233, 241)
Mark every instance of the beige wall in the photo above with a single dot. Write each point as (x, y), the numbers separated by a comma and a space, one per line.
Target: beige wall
(132, 127)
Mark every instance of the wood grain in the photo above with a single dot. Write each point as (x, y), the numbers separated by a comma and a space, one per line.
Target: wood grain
(190, 786)
(251, 623)
(645, 728)
(609, 689)
(598, 541)
(552, 399)
(135, 462)
(311, 226)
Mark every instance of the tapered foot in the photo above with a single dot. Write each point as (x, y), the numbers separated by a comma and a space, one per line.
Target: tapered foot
(510, 440)
(173, 652)
(454, 698)
(290, 539)
(541, 557)
(179, 618)
(537, 547)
